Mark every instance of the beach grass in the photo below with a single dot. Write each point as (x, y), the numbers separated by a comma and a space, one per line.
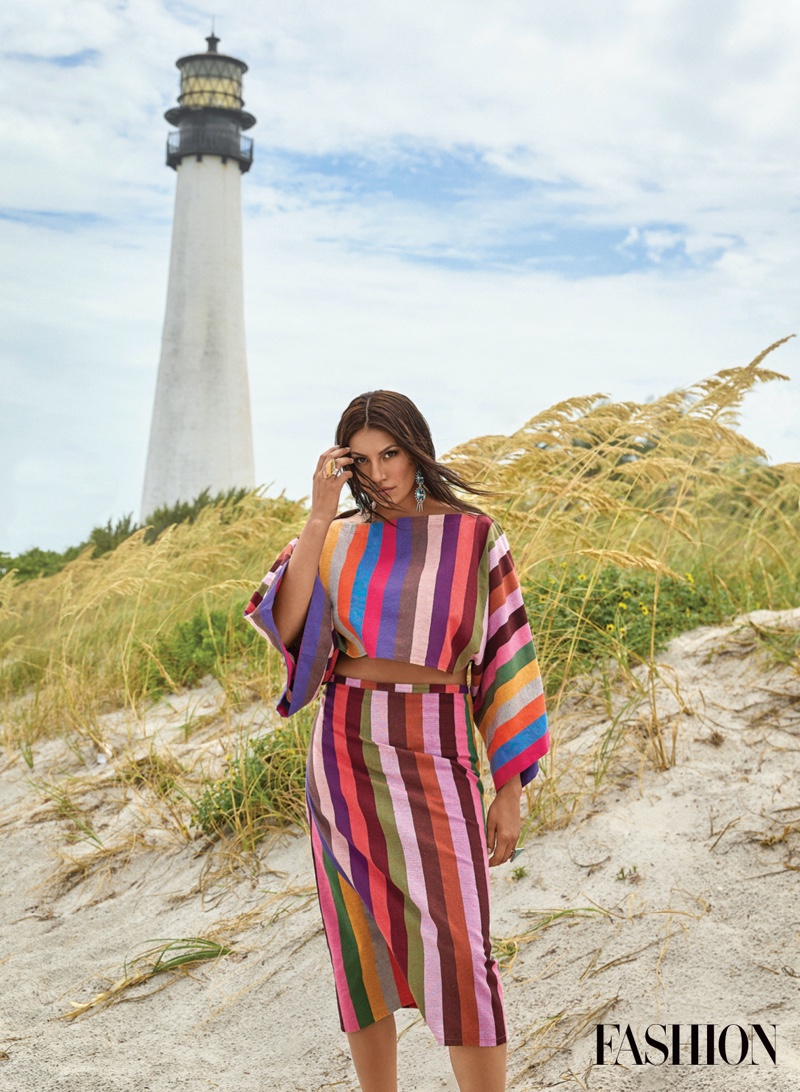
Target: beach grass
(628, 522)
(167, 957)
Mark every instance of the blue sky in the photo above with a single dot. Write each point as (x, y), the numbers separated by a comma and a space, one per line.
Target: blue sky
(490, 208)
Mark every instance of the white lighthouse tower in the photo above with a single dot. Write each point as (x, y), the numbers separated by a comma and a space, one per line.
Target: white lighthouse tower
(201, 434)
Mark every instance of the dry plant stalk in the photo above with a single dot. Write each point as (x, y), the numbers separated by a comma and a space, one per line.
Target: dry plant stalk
(559, 1033)
(667, 488)
(506, 949)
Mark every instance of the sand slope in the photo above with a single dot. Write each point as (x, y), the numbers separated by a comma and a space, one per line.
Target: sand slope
(680, 890)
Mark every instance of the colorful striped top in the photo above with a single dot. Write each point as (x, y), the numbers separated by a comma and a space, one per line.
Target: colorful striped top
(438, 590)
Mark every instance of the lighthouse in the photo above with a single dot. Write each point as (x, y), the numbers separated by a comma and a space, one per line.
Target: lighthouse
(201, 433)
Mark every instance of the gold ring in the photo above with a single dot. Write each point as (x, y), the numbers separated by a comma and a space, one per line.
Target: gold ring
(330, 468)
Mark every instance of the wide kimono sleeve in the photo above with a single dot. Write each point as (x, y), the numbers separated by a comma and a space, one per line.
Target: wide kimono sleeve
(506, 684)
(309, 662)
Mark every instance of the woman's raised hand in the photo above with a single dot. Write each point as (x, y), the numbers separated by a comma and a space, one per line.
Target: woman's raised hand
(327, 483)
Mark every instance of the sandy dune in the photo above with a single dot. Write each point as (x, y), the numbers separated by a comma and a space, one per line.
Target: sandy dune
(677, 893)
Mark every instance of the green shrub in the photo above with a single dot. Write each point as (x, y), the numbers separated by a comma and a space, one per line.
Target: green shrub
(585, 616)
(208, 643)
(263, 787)
(188, 511)
(34, 563)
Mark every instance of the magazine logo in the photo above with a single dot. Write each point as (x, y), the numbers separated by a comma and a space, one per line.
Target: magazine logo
(688, 1044)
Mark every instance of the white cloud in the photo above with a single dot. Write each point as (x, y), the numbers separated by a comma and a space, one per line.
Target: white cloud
(670, 123)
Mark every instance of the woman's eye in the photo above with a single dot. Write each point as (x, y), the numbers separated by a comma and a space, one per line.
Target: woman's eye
(389, 454)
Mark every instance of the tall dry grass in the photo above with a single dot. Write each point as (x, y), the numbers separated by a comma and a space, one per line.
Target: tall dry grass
(81, 642)
(588, 487)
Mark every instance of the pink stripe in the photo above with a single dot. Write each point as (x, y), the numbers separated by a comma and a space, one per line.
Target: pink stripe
(498, 551)
(430, 724)
(505, 653)
(466, 873)
(328, 907)
(431, 1004)
(425, 594)
(522, 761)
(347, 788)
(511, 603)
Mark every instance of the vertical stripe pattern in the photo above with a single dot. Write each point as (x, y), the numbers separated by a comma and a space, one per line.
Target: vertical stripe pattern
(399, 849)
(439, 591)
(394, 799)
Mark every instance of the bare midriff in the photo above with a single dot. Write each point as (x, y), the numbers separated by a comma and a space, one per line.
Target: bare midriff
(393, 671)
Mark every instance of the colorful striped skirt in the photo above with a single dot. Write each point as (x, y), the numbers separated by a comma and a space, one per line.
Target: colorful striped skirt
(397, 828)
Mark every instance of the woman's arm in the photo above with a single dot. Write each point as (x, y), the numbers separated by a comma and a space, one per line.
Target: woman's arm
(504, 821)
(294, 594)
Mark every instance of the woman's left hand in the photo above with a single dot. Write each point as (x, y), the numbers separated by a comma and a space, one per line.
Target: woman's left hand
(503, 822)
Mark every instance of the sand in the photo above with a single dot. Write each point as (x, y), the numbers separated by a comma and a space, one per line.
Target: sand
(676, 889)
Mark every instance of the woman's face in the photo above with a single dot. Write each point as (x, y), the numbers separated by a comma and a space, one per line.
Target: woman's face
(378, 456)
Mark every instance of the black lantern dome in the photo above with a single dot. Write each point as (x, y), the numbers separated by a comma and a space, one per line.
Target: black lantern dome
(209, 117)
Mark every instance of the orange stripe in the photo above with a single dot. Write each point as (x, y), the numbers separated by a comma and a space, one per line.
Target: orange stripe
(347, 577)
(328, 547)
(414, 732)
(366, 952)
(506, 691)
(518, 723)
(458, 591)
(499, 594)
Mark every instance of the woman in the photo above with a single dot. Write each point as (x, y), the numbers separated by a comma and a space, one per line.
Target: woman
(386, 607)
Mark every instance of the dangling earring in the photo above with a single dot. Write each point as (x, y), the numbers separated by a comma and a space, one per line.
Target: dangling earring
(420, 493)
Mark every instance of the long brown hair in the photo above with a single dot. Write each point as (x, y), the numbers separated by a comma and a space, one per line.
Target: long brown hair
(398, 416)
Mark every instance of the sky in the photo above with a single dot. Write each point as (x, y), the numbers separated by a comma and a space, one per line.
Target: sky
(489, 207)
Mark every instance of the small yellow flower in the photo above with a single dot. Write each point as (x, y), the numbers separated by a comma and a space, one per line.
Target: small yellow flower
(581, 576)
(623, 605)
(626, 595)
(610, 627)
(689, 577)
(563, 564)
(645, 609)
(623, 630)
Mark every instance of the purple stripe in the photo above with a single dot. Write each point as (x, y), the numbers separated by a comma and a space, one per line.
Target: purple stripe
(340, 820)
(408, 594)
(313, 656)
(444, 586)
(387, 634)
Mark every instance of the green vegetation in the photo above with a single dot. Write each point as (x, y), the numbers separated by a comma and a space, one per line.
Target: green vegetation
(211, 642)
(102, 540)
(610, 614)
(167, 957)
(628, 523)
(263, 786)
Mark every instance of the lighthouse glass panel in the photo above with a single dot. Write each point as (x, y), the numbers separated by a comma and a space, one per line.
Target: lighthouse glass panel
(211, 81)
